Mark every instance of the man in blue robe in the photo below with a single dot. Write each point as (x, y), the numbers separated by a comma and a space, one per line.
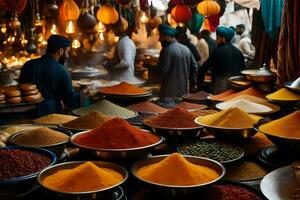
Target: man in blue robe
(52, 78)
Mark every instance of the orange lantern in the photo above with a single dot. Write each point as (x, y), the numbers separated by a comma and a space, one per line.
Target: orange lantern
(208, 8)
(181, 13)
(69, 10)
(107, 15)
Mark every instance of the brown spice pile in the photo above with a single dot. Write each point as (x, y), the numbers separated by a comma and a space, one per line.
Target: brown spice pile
(147, 107)
(123, 88)
(89, 121)
(201, 95)
(190, 106)
(204, 112)
(54, 119)
(174, 118)
(41, 137)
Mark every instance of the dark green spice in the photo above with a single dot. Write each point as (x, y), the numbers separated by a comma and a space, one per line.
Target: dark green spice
(212, 149)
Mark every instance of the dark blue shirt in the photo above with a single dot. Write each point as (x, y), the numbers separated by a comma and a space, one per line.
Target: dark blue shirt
(54, 83)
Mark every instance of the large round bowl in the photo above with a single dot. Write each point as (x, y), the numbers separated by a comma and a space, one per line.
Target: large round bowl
(229, 133)
(239, 83)
(294, 89)
(16, 187)
(173, 190)
(58, 148)
(131, 154)
(101, 194)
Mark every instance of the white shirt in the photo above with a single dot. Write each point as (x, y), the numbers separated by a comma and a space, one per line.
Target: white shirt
(203, 50)
(246, 47)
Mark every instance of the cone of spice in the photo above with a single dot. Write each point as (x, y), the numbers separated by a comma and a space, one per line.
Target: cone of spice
(40, 137)
(190, 106)
(174, 118)
(284, 95)
(89, 121)
(54, 119)
(176, 170)
(229, 118)
(288, 126)
(221, 96)
(123, 88)
(198, 96)
(147, 107)
(116, 133)
(250, 91)
(83, 178)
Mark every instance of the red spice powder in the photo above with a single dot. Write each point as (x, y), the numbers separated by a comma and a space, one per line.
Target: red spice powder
(116, 133)
(123, 88)
(201, 95)
(147, 107)
(174, 118)
(190, 106)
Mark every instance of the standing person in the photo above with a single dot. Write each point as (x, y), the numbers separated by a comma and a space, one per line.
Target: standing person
(205, 45)
(225, 61)
(121, 67)
(177, 65)
(245, 45)
(51, 78)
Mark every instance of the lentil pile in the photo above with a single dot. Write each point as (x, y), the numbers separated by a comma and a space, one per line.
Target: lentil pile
(15, 163)
(123, 88)
(212, 149)
(147, 107)
(176, 170)
(116, 133)
(83, 178)
(41, 137)
(89, 121)
(54, 119)
(229, 118)
(190, 106)
(174, 118)
(231, 192)
(245, 171)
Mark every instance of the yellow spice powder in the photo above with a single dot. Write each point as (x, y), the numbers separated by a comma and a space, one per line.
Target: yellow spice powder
(85, 177)
(284, 95)
(229, 118)
(54, 119)
(176, 170)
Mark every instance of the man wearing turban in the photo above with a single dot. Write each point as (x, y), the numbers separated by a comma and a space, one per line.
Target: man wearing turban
(177, 65)
(225, 61)
(51, 78)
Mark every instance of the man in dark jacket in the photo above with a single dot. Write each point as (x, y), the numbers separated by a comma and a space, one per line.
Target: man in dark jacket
(225, 61)
(51, 77)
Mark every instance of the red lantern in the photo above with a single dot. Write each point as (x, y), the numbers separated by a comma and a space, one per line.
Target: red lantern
(181, 13)
(69, 10)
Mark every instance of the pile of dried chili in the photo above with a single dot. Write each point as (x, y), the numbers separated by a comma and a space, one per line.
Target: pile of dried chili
(15, 163)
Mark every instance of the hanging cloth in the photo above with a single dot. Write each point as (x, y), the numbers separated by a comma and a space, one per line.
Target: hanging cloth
(248, 3)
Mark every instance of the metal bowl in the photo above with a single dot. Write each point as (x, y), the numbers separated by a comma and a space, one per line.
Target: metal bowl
(103, 194)
(262, 75)
(58, 148)
(173, 190)
(14, 187)
(294, 89)
(239, 82)
(131, 154)
(73, 130)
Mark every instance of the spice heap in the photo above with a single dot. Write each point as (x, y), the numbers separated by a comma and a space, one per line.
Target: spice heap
(287, 126)
(212, 149)
(15, 163)
(203, 112)
(258, 142)
(41, 137)
(123, 88)
(116, 133)
(245, 171)
(89, 121)
(229, 192)
(201, 95)
(284, 95)
(230, 118)
(231, 94)
(107, 108)
(176, 170)
(190, 106)
(245, 105)
(83, 178)
(54, 119)
(147, 107)
(174, 118)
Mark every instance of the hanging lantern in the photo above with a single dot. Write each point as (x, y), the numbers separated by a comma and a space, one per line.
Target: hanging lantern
(53, 30)
(76, 44)
(3, 28)
(154, 22)
(101, 36)
(86, 21)
(116, 39)
(181, 13)
(70, 27)
(100, 27)
(107, 14)
(69, 10)
(144, 19)
(194, 24)
(31, 46)
(14, 23)
(208, 8)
